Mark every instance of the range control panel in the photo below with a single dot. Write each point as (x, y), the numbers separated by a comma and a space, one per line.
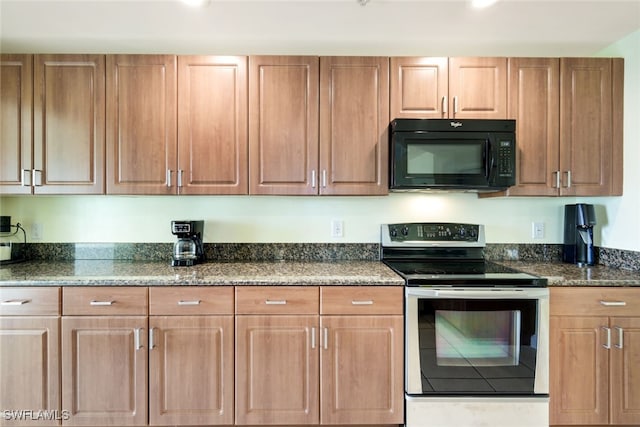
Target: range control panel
(434, 232)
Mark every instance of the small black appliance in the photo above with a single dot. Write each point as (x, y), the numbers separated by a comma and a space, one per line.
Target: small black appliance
(188, 249)
(579, 220)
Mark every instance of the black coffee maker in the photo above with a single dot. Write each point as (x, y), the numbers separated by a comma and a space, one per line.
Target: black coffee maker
(579, 220)
(188, 250)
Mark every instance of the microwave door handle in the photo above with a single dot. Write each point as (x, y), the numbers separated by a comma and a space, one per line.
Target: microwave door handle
(488, 158)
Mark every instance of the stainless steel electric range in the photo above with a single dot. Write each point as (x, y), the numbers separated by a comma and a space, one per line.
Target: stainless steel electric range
(476, 332)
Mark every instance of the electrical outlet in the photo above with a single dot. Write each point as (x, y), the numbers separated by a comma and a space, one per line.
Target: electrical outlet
(337, 228)
(36, 231)
(537, 230)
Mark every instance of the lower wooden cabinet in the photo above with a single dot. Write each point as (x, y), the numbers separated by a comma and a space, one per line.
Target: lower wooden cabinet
(595, 356)
(30, 357)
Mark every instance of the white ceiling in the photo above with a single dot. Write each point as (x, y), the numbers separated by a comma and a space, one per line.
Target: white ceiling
(319, 27)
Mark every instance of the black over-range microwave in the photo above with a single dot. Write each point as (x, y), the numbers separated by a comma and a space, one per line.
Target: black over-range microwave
(470, 154)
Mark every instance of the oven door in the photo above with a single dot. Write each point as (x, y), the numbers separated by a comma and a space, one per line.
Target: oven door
(477, 341)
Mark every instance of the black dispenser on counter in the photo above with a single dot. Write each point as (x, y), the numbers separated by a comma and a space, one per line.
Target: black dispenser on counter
(579, 220)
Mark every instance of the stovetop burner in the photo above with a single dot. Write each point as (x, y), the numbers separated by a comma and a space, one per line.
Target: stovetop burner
(446, 254)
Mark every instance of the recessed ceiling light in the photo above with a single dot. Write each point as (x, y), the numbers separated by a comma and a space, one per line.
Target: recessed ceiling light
(482, 3)
(196, 3)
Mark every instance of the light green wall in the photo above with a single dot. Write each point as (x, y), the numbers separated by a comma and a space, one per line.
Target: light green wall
(307, 219)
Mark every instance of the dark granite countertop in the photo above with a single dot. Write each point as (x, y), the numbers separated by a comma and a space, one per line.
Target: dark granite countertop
(137, 273)
(346, 273)
(563, 274)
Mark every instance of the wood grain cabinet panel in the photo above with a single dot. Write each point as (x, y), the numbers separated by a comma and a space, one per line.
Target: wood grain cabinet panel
(141, 117)
(478, 88)
(16, 92)
(212, 125)
(419, 87)
(594, 366)
(69, 124)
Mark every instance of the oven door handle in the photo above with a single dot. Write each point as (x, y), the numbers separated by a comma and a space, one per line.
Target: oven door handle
(485, 293)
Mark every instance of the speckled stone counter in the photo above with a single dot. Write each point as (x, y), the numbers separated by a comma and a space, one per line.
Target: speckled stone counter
(562, 274)
(130, 273)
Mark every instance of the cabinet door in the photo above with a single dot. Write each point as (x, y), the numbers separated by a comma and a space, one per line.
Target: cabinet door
(362, 370)
(625, 371)
(69, 124)
(141, 131)
(478, 88)
(29, 368)
(283, 125)
(104, 370)
(534, 103)
(578, 370)
(354, 123)
(16, 92)
(419, 87)
(585, 130)
(212, 124)
(277, 370)
(191, 370)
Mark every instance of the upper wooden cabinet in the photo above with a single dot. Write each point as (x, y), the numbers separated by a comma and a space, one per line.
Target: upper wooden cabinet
(141, 131)
(66, 154)
(212, 125)
(461, 88)
(568, 115)
(318, 125)
(16, 92)
(283, 124)
(354, 123)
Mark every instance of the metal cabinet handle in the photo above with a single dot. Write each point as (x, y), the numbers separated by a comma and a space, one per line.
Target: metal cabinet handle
(445, 105)
(276, 302)
(608, 344)
(620, 343)
(101, 303)
(26, 176)
(36, 178)
(367, 302)
(15, 302)
(189, 302)
(613, 303)
(557, 175)
(455, 105)
(313, 338)
(568, 173)
(180, 172)
(137, 336)
(168, 177)
(152, 344)
(313, 178)
(324, 178)
(325, 340)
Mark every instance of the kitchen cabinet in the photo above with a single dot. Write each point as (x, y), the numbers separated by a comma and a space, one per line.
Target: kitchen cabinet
(212, 125)
(440, 88)
(191, 372)
(30, 356)
(66, 155)
(141, 124)
(595, 364)
(277, 360)
(361, 359)
(318, 125)
(104, 355)
(568, 114)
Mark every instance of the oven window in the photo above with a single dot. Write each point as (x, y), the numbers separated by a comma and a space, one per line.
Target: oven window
(477, 346)
(449, 158)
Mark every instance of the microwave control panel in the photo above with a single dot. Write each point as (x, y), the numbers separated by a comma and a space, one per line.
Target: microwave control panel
(506, 158)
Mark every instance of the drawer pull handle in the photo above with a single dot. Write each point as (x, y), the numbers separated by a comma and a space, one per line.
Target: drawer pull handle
(138, 338)
(101, 303)
(276, 302)
(189, 302)
(313, 338)
(620, 344)
(152, 344)
(613, 303)
(366, 302)
(325, 340)
(16, 302)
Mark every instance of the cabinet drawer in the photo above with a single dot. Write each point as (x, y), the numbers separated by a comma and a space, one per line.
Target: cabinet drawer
(104, 301)
(277, 300)
(361, 300)
(594, 301)
(29, 301)
(191, 300)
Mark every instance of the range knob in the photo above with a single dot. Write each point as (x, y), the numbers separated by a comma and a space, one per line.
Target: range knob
(393, 232)
(405, 231)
